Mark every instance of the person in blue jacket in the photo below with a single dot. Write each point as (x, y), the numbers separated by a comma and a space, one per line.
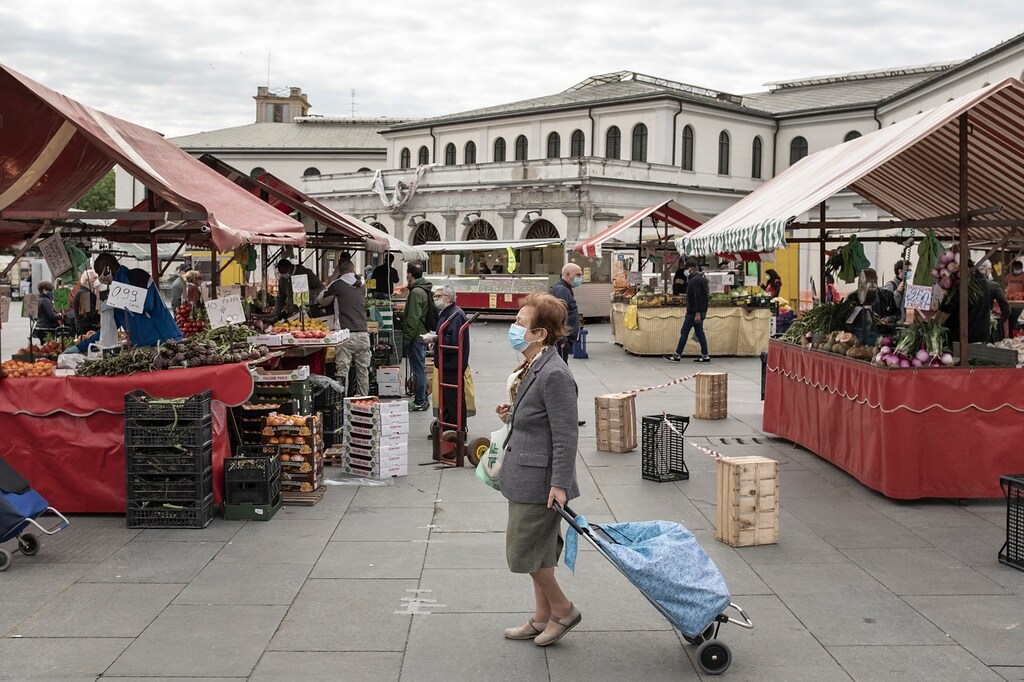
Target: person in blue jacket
(151, 327)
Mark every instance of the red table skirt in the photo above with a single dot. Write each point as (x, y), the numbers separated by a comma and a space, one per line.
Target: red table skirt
(66, 434)
(940, 432)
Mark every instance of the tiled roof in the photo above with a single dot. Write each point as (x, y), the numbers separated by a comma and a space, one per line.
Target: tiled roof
(309, 134)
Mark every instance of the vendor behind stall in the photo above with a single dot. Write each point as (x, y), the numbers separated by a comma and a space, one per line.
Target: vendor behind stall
(153, 325)
(286, 270)
(47, 319)
(979, 309)
(1015, 292)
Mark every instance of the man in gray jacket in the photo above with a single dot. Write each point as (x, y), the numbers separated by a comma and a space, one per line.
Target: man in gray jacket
(348, 294)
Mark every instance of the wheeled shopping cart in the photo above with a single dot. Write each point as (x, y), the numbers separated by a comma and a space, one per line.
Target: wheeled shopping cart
(20, 506)
(669, 567)
(451, 444)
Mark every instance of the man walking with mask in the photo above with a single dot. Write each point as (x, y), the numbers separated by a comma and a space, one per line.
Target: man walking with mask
(696, 310)
(572, 277)
(348, 294)
(414, 326)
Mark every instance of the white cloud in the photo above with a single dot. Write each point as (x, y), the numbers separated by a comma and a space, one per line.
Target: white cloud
(189, 66)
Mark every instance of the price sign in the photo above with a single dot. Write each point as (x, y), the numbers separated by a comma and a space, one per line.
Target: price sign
(917, 297)
(30, 306)
(55, 254)
(126, 297)
(300, 283)
(492, 301)
(508, 298)
(226, 310)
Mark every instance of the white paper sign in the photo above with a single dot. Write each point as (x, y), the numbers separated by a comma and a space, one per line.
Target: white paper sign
(917, 297)
(300, 283)
(55, 254)
(31, 306)
(234, 290)
(224, 311)
(126, 297)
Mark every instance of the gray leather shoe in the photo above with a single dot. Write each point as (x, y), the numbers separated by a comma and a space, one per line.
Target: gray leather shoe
(563, 626)
(528, 631)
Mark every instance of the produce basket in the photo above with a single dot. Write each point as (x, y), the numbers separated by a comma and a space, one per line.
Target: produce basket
(140, 405)
(168, 515)
(167, 461)
(662, 450)
(143, 433)
(183, 488)
(252, 464)
(252, 492)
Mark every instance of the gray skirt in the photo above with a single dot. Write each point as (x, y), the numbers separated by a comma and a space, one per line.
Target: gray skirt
(532, 539)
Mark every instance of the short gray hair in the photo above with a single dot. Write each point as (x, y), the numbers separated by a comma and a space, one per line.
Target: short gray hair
(448, 291)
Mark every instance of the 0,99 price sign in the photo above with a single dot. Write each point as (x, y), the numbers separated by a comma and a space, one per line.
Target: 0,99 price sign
(126, 297)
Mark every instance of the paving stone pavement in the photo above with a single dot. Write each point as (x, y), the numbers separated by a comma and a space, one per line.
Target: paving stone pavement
(408, 581)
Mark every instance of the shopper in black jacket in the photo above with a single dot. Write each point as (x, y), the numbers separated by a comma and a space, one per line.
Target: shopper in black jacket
(47, 319)
(696, 310)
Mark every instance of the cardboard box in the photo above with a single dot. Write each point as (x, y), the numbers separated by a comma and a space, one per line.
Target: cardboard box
(390, 374)
(390, 389)
(748, 501)
(261, 375)
(616, 422)
(375, 450)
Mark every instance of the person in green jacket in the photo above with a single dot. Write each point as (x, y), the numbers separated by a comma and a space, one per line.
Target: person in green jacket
(414, 326)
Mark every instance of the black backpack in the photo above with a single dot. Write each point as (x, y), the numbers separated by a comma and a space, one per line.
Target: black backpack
(430, 319)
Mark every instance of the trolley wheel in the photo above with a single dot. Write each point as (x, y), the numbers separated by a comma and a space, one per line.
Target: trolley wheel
(5, 560)
(714, 657)
(28, 544)
(477, 449)
(449, 436)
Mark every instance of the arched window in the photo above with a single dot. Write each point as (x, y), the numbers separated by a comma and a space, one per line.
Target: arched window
(499, 150)
(449, 154)
(852, 135)
(756, 152)
(723, 153)
(687, 148)
(311, 172)
(576, 143)
(379, 226)
(797, 149)
(425, 232)
(522, 148)
(554, 146)
(639, 151)
(405, 158)
(481, 229)
(257, 171)
(613, 143)
(423, 157)
(470, 152)
(542, 229)
(364, 169)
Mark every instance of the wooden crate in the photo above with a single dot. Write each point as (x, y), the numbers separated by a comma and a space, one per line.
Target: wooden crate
(616, 422)
(712, 396)
(748, 501)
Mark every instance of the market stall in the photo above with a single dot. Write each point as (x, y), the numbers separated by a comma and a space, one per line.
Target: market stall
(730, 329)
(920, 413)
(66, 434)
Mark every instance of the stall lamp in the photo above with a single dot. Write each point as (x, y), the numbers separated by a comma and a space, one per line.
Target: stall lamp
(412, 221)
(527, 219)
(466, 222)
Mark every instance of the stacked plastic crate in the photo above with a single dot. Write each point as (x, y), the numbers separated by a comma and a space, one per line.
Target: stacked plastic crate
(299, 442)
(252, 484)
(168, 461)
(376, 438)
(327, 402)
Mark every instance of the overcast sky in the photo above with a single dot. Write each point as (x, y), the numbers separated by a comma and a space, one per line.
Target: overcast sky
(191, 66)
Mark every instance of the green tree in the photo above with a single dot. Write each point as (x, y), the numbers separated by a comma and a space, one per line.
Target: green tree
(100, 197)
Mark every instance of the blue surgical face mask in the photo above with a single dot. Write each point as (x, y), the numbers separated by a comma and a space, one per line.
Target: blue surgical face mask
(576, 282)
(517, 338)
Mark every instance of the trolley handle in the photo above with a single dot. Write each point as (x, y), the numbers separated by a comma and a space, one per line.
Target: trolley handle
(745, 623)
(570, 517)
(472, 318)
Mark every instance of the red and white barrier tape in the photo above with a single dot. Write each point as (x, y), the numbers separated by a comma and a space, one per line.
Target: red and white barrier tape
(654, 388)
(707, 451)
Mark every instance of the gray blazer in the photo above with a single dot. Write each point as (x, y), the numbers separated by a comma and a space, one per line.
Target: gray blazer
(540, 451)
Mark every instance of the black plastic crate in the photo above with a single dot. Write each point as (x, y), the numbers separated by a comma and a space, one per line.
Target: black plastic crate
(333, 438)
(662, 448)
(1012, 552)
(175, 488)
(149, 432)
(170, 515)
(163, 461)
(251, 464)
(327, 393)
(333, 419)
(252, 492)
(140, 405)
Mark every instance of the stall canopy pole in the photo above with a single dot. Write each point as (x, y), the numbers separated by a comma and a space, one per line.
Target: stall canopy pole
(263, 261)
(170, 260)
(154, 257)
(966, 273)
(821, 252)
(214, 272)
(25, 248)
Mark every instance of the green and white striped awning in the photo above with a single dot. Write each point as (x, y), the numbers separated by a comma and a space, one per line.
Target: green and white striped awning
(766, 235)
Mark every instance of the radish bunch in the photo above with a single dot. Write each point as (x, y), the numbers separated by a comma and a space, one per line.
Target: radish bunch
(946, 273)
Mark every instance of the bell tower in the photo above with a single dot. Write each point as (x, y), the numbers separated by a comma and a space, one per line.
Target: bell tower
(280, 105)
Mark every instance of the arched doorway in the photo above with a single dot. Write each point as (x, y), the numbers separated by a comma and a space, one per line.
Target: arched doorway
(542, 229)
(428, 232)
(481, 229)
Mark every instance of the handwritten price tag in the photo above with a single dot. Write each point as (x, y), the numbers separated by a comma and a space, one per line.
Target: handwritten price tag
(225, 311)
(300, 283)
(126, 297)
(55, 254)
(917, 297)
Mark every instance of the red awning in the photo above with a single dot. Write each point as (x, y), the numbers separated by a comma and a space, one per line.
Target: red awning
(55, 149)
(669, 212)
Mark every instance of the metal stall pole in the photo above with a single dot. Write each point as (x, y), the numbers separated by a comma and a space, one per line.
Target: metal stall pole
(965, 272)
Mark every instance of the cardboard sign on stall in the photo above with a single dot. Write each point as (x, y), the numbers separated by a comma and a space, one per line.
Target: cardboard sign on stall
(917, 297)
(224, 311)
(127, 297)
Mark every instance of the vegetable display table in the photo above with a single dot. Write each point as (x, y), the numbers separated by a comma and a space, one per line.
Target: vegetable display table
(730, 330)
(66, 434)
(934, 432)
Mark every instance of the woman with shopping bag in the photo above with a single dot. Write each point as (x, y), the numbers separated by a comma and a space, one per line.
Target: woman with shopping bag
(538, 464)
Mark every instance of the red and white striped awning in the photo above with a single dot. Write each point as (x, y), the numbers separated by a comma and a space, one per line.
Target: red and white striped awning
(669, 212)
(910, 169)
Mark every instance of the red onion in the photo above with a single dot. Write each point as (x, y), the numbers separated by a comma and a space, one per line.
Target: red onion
(904, 363)
(946, 359)
(922, 356)
(916, 363)
(886, 341)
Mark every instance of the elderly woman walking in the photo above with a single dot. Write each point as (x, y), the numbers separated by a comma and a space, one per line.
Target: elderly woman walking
(539, 465)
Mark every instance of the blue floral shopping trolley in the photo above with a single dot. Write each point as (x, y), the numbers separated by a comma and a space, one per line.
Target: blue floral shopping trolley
(20, 506)
(669, 567)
